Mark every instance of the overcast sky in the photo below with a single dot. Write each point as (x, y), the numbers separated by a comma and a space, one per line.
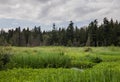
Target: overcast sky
(29, 13)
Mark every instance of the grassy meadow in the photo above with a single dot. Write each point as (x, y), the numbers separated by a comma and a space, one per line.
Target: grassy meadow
(60, 64)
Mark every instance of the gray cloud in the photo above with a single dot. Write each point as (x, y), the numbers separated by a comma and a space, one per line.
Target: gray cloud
(49, 11)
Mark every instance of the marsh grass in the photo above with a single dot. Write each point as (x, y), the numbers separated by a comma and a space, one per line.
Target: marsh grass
(60, 75)
(53, 64)
(42, 60)
(55, 57)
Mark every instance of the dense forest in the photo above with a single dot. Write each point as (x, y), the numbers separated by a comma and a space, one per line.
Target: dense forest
(106, 34)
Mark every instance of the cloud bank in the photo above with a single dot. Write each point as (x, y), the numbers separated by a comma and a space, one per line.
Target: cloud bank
(58, 11)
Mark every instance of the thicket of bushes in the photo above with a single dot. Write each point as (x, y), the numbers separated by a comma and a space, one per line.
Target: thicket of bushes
(4, 57)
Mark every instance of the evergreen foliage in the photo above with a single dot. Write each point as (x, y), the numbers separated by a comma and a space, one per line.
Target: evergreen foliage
(106, 34)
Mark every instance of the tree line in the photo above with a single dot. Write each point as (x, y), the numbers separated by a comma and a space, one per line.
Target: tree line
(106, 34)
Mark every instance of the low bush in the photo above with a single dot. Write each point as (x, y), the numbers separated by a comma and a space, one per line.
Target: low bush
(96, 60)
(4, 57)
(82, 64)
(87, 49)
(93, 59)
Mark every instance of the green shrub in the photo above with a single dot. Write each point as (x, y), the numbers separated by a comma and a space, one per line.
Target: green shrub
(82, 64)
(96, 60)
(93, 59)
(87, 49)
(4, 57)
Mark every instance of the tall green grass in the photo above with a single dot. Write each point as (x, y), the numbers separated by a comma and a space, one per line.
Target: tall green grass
(55, 57)
(60, 75)
(42, 60)
(61, 64)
